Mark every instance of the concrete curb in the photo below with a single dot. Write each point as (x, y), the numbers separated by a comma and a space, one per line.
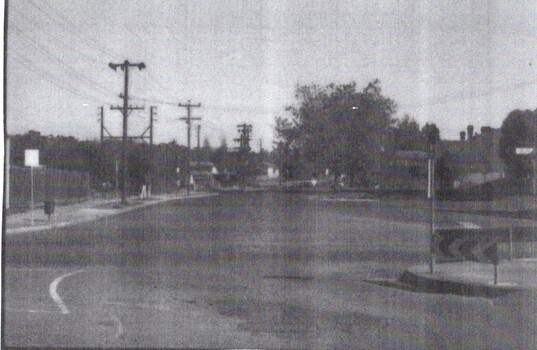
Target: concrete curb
(419, 278)
(102, 214)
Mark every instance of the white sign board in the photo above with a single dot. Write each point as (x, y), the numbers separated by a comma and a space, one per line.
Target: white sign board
(523, 150)
(31, 157)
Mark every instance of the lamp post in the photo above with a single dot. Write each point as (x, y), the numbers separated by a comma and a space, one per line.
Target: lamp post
(433, 136)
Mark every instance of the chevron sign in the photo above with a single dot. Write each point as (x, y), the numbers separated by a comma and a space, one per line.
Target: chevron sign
(459, 247)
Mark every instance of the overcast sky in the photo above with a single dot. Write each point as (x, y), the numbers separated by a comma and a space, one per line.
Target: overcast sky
(451, 62)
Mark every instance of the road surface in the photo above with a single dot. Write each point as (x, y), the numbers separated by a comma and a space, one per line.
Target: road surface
(255, 270)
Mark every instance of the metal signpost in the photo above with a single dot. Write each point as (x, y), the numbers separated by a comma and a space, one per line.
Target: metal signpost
(31, 159)
(529, 151)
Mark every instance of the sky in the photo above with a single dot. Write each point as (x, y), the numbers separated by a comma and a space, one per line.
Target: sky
(449, 62)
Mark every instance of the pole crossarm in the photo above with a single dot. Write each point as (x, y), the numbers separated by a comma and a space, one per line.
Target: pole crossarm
(125, 64)
(130, 108)
(188, 120)
(128, 137)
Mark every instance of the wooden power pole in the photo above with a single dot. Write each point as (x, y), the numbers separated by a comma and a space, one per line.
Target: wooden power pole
(125, 111)
(188, 119)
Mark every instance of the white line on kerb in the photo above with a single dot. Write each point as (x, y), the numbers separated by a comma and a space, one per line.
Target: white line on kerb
(54, 294)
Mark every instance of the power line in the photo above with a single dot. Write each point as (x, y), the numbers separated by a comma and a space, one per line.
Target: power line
(81, 34)
(89, 40)
(71, 48)
(50, 79)
(63, 64)
(156, 101)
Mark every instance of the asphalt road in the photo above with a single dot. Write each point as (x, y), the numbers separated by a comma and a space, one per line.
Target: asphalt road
(245, 271)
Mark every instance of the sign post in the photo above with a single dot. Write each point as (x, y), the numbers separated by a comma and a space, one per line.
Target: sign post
(31, 159)
(431, 196)
(529, 151)
(495, 274)
(117, 179)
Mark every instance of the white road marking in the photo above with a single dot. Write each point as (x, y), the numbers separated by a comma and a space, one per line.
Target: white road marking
(54, 294)
(117, 323)
(347, 200)
(466, 224)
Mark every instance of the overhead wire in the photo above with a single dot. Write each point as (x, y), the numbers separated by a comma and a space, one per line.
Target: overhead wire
(62, 43)
(93, 42)
(69, 28)
(62, 64)
(52, 14)
(28, 65)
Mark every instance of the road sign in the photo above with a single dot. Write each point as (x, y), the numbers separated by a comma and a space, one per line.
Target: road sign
(31, 157)
(523, 150)
(466, 247)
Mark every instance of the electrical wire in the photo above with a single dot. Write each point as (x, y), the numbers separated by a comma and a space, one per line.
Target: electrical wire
(28, 65)
(62, 64)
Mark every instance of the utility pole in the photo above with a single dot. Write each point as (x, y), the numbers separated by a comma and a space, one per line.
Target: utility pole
(152, 114)
(125, 110)
(244, 137)
(188, 119)
(102, 123)
(244, 147)
(199, 128)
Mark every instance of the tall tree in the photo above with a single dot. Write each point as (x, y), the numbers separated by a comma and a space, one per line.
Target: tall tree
(432, 136)
(407, 136)
(337, 127)
(519, 129)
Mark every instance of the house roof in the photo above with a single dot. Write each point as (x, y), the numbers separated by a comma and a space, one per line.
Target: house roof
(479, 154)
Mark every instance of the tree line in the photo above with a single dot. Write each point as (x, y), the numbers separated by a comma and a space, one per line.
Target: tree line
(162, 165)
(354, 132)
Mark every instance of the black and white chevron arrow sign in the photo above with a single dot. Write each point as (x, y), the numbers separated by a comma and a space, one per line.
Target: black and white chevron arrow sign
(470, 248)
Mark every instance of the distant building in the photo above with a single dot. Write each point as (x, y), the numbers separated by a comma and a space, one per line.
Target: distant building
(474, 158)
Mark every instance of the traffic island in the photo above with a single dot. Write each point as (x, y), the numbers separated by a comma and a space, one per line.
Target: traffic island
(473, 278)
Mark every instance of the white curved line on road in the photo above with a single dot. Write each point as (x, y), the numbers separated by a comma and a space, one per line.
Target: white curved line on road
(119, 326)
(54, 293)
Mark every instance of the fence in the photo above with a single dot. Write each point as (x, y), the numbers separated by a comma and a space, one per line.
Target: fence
(49, 184)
